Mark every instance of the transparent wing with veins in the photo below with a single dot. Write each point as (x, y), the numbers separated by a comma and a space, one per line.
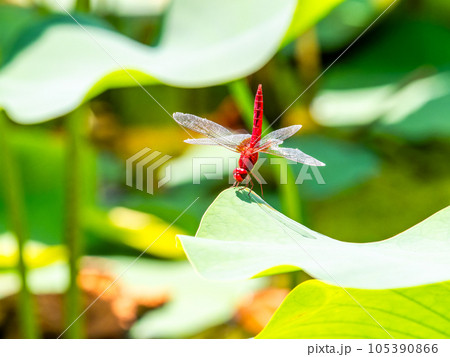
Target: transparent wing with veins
(270, 145)
(278, 136)
(293, 155)
(216, 134)
(233, 140)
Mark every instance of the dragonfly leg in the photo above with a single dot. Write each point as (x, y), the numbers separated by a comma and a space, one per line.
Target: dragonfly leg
(248, 180)
(260, 184)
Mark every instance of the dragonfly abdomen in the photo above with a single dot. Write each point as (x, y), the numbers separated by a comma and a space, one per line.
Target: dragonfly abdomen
(257, 117)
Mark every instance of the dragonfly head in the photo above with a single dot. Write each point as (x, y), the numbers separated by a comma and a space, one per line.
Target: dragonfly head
(239, 174)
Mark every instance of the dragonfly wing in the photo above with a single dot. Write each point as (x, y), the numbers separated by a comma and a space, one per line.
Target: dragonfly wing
(293, 155)
(202, 141)
(217, 134)
(201, 125)
(278, 136)
(230, 141)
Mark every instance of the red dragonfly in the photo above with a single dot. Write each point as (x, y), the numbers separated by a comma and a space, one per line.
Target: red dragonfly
(249, 146)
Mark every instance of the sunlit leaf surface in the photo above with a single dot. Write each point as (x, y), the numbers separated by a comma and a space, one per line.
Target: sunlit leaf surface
(415, 111)
(199, 46)
(241, 236)
(405, 93)
(318, 310)
(139, 230)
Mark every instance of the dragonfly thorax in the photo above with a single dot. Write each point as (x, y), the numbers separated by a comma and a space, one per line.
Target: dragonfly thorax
(247, 160)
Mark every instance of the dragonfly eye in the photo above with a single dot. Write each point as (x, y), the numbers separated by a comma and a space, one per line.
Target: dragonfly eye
(239, 174)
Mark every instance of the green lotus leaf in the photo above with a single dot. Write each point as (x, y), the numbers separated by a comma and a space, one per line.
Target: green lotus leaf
(241, 236)
(60, 64)
(318, 310)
